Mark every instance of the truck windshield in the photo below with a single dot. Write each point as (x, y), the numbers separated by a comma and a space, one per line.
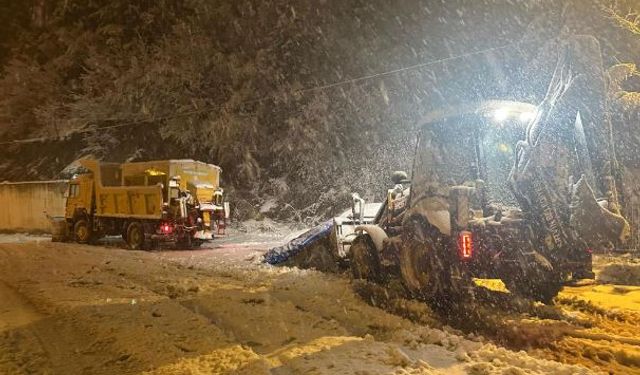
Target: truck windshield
(74, 191)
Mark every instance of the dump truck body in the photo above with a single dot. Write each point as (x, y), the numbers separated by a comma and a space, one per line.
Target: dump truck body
(201, 180)
(192, 173)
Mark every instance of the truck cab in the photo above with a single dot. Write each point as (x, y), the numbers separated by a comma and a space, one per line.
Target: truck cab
(78, 196)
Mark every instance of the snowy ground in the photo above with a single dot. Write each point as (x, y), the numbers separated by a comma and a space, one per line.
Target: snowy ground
(77, 309)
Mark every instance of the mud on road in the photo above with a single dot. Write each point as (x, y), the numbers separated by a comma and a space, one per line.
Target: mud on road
(74, 309)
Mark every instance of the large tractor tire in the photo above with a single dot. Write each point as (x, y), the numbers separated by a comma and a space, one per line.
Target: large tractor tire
(535, 278)
(135, 236)
(424, 267)
(364, 260)
(538, 290)
(535, 282)
(81, 231)
(417, 259)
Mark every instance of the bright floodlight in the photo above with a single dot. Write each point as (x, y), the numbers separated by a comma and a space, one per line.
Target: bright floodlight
(527, 116)
(501, 114)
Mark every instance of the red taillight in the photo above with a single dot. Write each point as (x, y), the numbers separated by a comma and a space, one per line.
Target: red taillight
(166, 228)
(465, 244)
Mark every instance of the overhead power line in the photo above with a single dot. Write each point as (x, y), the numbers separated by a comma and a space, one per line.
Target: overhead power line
(206, 109)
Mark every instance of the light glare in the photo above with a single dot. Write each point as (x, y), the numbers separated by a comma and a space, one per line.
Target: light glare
(527, 116)
(501, 114)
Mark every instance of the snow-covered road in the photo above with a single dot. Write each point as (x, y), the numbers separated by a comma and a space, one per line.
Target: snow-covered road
(77, 309)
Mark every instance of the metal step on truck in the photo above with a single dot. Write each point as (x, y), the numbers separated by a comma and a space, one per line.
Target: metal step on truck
(177, 202)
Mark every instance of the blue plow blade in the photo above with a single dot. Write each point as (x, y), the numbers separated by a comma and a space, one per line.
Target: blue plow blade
(281, 254)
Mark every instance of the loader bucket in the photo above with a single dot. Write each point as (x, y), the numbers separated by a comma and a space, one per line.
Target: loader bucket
(594, 223)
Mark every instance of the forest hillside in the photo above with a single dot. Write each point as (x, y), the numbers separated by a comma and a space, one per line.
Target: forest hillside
(300, 102)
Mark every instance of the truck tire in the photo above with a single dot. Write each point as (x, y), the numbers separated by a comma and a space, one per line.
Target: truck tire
(534, 277)
(135, 236)
(123, 233)
(81, 231)
(424, 269)
(364, 259)
(413, 257)
(537, 289)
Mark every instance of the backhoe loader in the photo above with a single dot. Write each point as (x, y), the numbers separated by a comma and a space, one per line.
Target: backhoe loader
(503, 190)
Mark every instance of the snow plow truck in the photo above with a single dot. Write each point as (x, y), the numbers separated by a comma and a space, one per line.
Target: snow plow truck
(171, 201)
(501, 190)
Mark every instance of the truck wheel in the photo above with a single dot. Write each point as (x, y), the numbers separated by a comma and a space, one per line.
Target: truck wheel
(414, 269)
(81, 231)
(364, 260)
(135, 236)
(123, 233)
(422, 269)
(534, 278)
(543, 290)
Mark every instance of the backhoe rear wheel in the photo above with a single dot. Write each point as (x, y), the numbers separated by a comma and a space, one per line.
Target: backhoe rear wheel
(417, 258)
(81, 231)
(364, 259)
(534, 277)
(425, 269)
(135, 236)
(541, 286)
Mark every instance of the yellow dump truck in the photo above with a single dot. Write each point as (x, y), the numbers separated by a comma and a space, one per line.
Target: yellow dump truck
(173, 201)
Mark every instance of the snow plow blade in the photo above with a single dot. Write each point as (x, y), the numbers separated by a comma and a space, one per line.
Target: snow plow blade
(312, 249)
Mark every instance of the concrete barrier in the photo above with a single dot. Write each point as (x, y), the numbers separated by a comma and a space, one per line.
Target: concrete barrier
(22, 204)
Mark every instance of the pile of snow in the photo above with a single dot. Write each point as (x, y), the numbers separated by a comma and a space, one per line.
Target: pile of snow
(23, 237)
(622, 271)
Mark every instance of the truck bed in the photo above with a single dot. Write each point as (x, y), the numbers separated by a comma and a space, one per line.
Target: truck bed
(140, 202)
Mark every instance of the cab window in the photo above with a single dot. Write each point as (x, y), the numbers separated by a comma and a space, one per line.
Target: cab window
(74, 190)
